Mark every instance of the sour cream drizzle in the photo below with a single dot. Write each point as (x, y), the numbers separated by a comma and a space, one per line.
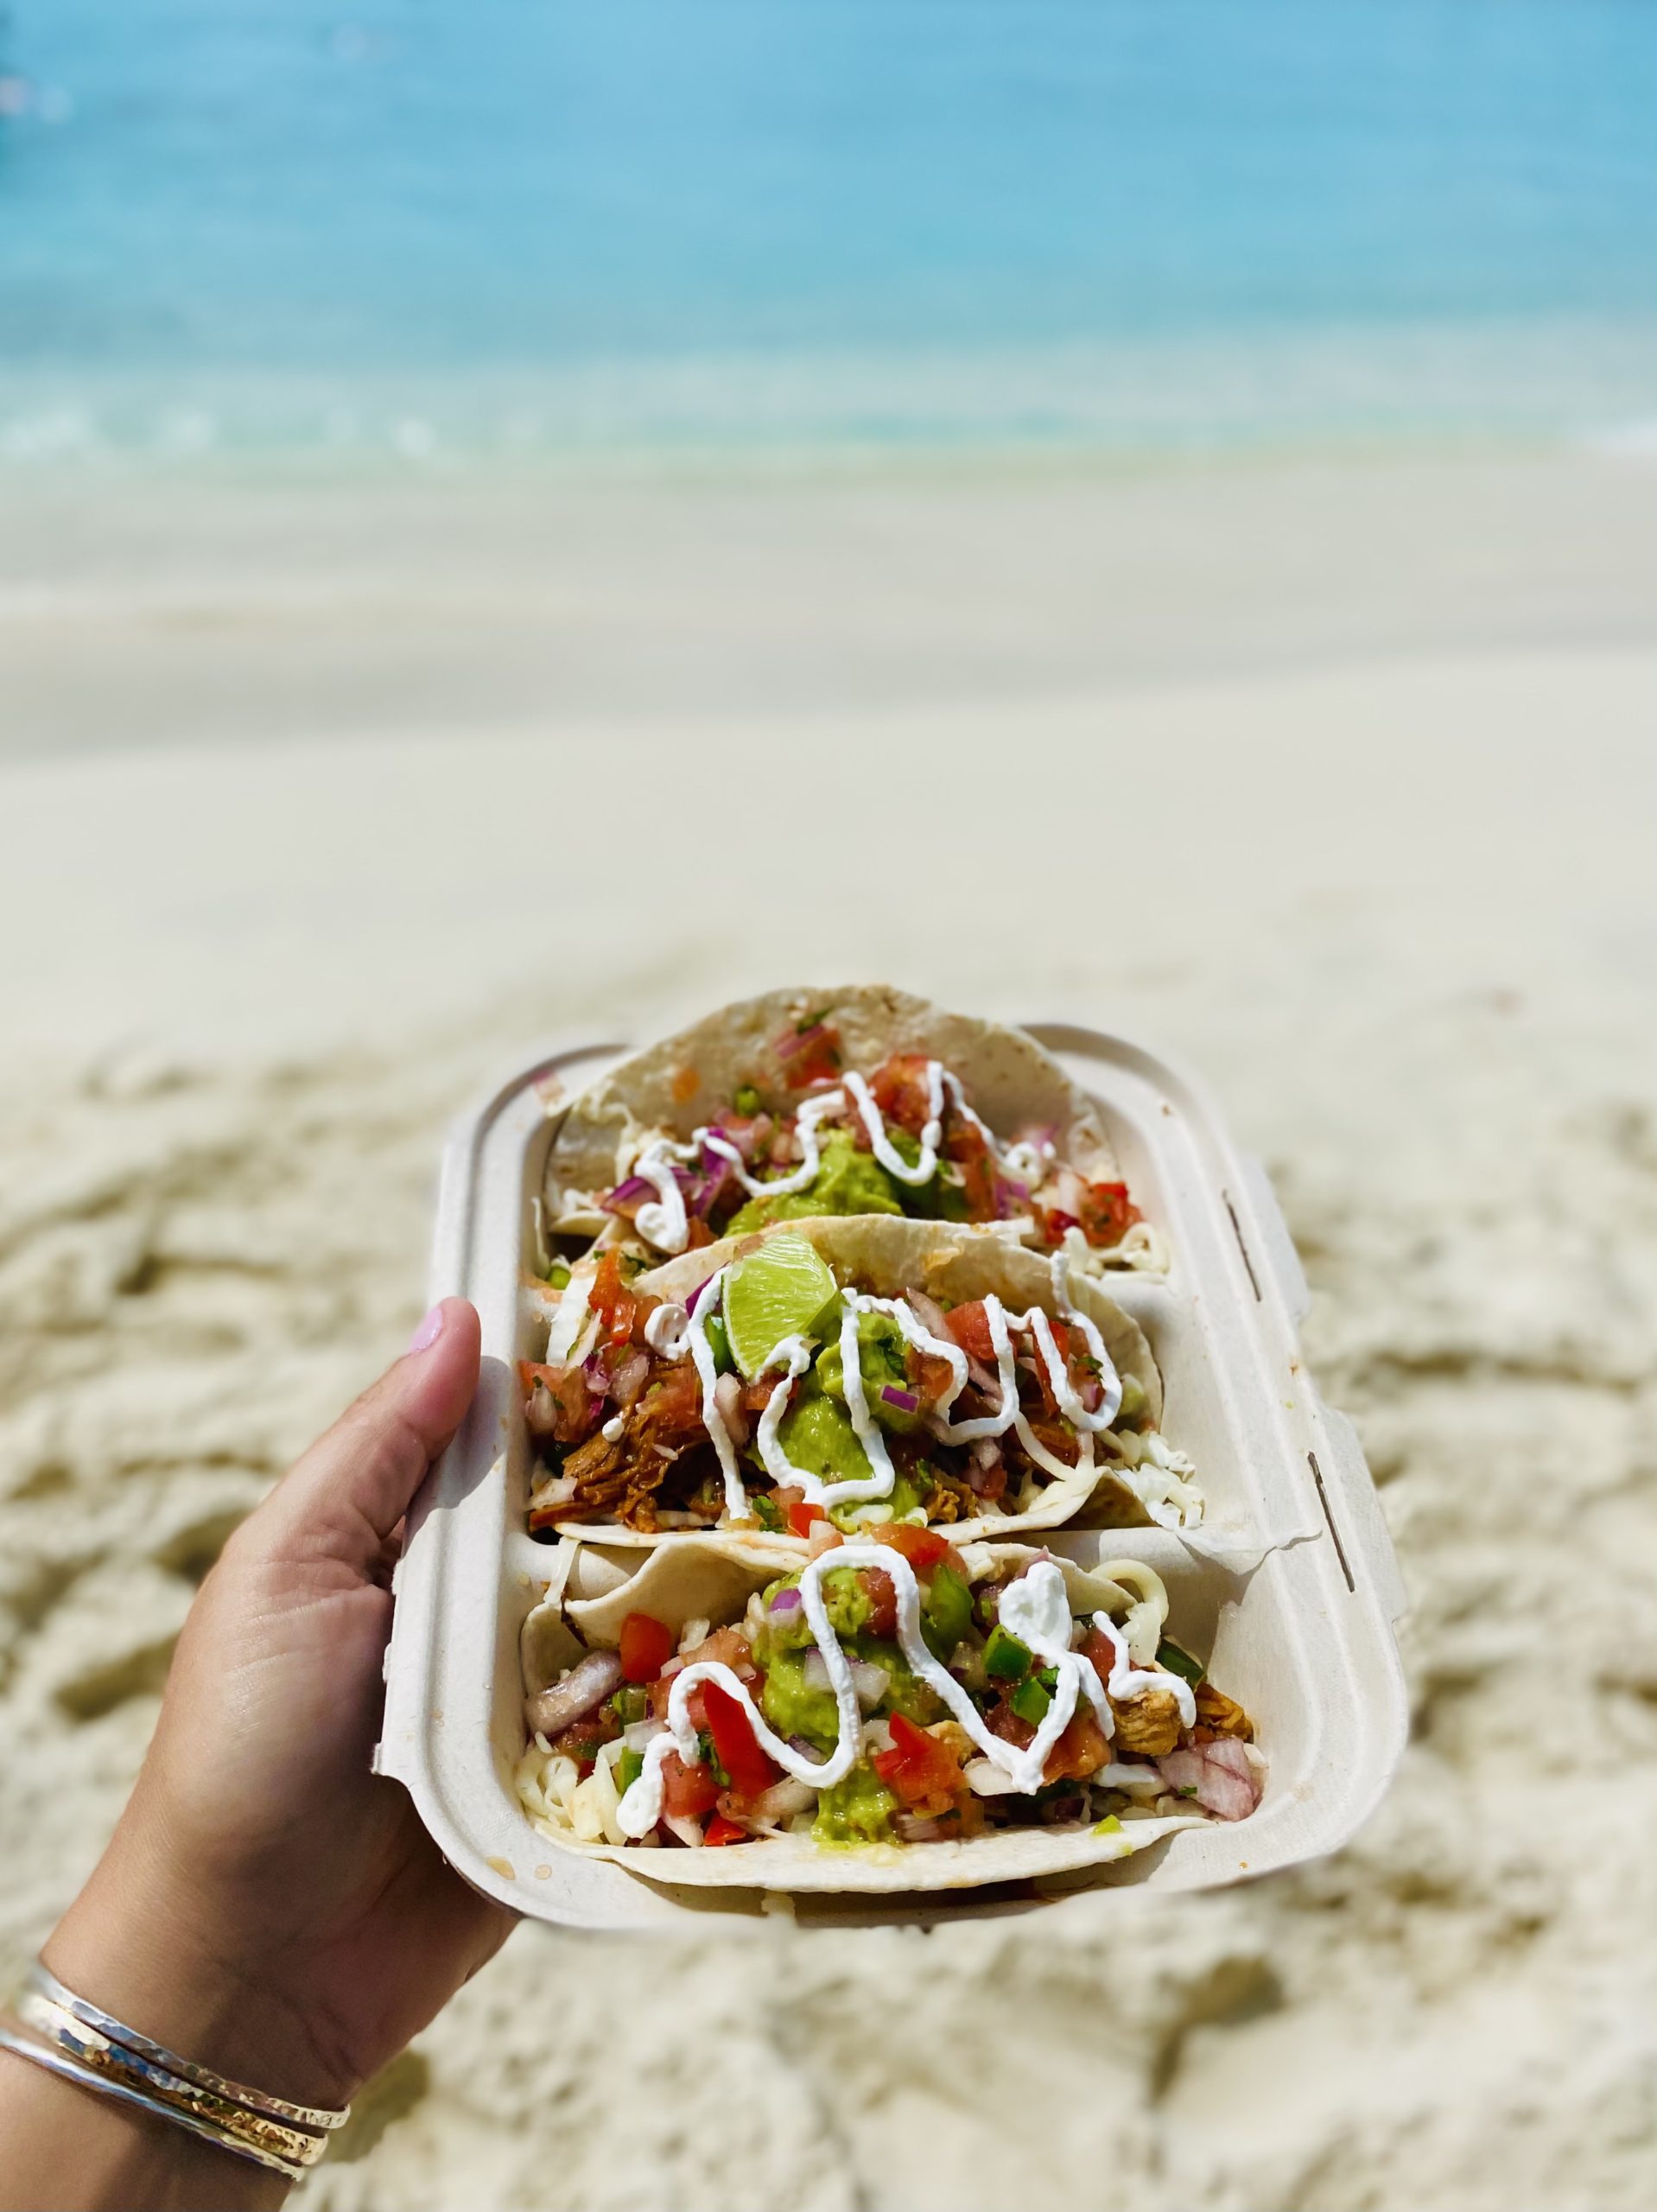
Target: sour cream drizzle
(1036, 1608)
(663, 1221)
(706, 1298)
(794, 1354)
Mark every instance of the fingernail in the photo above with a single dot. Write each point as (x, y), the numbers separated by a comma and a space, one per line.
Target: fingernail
(429, 1332)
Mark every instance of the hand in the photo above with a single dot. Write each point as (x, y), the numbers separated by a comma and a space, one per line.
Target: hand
(267, 1906)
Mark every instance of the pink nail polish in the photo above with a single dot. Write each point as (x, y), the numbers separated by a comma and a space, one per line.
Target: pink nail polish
(429, 1332)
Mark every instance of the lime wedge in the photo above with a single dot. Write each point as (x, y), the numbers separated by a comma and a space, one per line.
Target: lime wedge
(776, 1292)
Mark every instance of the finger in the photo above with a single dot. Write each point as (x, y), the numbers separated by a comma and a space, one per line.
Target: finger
(354, 1484)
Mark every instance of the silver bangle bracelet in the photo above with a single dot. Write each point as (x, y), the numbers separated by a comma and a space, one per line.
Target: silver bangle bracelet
(70, 2037)
(56, 2061)
(325, 2118)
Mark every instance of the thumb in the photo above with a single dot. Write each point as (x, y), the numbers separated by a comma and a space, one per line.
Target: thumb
(348, 1492)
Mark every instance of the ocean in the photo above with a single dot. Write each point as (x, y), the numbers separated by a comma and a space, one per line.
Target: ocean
(413, 227)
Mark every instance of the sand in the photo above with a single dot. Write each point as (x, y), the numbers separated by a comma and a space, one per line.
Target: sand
(1375, 857)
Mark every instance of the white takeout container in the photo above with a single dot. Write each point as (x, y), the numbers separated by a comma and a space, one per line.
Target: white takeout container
(1290, 1584)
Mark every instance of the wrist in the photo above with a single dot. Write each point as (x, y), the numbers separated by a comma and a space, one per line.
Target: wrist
(148, 1945)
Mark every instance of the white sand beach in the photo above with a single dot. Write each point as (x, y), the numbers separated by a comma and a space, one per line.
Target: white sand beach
(325, 803)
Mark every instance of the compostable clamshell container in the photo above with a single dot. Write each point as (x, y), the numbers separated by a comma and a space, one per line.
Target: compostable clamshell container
(1289, 1582)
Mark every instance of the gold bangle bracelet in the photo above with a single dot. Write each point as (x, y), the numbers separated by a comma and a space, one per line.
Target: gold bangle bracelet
(318, 2117)
(57, 2062)
(227, 2120)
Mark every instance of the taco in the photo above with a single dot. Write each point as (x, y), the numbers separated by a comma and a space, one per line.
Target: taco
(825, 1376)
(801, 1104)
(898, 1713)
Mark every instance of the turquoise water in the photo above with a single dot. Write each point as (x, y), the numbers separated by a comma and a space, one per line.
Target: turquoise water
(526, 221)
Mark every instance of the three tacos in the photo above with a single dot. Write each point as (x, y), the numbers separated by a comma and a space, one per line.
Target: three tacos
(826, 1349)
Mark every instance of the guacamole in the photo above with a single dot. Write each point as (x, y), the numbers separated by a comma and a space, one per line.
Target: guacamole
(847, 1181)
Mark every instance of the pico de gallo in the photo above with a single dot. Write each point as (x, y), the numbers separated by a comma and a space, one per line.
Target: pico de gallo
(916, 1693)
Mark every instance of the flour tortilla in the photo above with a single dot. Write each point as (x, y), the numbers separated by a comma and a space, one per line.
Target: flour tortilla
(662, 1584)
(885, 1255)
(1011, 1082)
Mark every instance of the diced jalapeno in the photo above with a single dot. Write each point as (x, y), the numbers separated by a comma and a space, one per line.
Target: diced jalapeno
(947, 1614)
(720, 1344)
(558, 1275)
(1178, 1661)
(1005, 1658)
(746, 1100)
(629, 1767)
(1030, 1701)
(629, 1703)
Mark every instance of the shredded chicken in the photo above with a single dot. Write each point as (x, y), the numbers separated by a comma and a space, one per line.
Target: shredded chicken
(1216, 1711)
(1147, 1723)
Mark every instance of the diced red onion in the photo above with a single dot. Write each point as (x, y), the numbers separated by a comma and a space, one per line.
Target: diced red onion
(796, 1040)
(629, 1379)
(783, 1800)
(787, 1600)
(587, 1685)
(541, 1411)
(871, 1682)
(981, 1472)
(815, 1673)
(986, 1779)
(688, 1831)
(905, 1400)
(727, 1397)
(988, 1383)
(1209, 1773)
(628, 1196)
(804, 1747)
(915, 1827)
(930, 1313)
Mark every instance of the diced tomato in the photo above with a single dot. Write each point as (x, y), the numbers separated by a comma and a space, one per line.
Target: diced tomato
(614, 1306)
(969, 1325)
(816, 1059)
(1059, 1439)
(1097, 1650)
(688, 1792)
(685, 1084)
(1081, 1750)
(720, 1830)
(900, 1089)
(929, 1376)
(740, 1754)
(1108, 1213)
(574, 1411)
(647, 1644)
(922, 1548)
(802, 1518)
(882, 1594)
(1055, 1225)
(697, 1233)
(918, 1769)
(965, 1145)
(1004, 1723)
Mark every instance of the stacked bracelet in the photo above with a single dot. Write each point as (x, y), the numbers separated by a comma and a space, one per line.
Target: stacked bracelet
(57, 2030)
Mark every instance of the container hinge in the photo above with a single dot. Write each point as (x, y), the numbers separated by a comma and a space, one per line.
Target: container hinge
(1323, 1499)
